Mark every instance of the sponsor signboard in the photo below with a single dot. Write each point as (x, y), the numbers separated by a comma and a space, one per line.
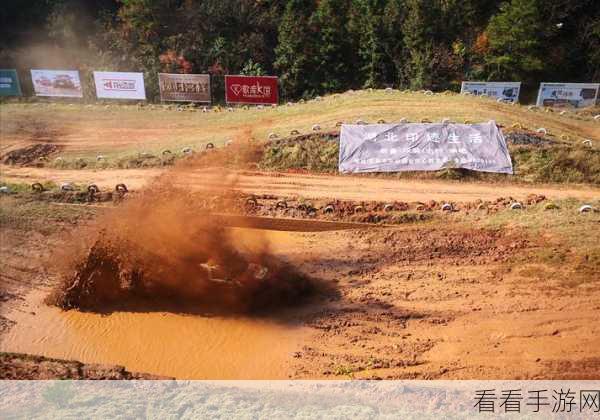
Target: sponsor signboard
(575, 95)
(423, 147)
(508, 91)
(184, 87)
(9, 83)
(251, 89)
(119, 85)
(65, 83)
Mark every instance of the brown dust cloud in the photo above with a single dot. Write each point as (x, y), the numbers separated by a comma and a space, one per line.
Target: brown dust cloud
(165, 248)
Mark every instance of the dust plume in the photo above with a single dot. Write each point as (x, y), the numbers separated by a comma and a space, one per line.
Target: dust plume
(166, 246)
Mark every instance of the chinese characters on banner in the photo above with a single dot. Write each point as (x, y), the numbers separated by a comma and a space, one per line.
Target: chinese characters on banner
(63, 83)
(423, 147)
(119, 85)
(184, 87)
(251, 90)
(575, 95)
(9, 83)
(561, 400)
(508, 91)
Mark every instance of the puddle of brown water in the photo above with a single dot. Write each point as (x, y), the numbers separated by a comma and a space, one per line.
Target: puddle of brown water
(162, 343)
(182, 346)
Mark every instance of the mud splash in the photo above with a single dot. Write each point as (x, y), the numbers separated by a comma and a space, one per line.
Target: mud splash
(165, 251)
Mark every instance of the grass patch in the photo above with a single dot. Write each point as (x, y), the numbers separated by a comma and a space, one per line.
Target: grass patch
(558, 163)
(29, 214)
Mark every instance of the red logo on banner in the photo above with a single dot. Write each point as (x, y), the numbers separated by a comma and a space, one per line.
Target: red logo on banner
(251, 89)
(114, 84)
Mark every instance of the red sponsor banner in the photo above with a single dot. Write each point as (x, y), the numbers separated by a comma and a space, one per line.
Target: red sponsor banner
(251, 89)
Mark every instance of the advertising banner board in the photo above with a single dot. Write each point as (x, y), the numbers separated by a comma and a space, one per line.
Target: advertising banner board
(9, 83)
(508, 91)
(64, 83)
(184, 87)
(119, 85)
(423, 147)
(251, 90)
(574, 95)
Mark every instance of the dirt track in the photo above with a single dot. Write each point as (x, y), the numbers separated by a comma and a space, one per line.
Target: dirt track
(309, 186)
(428, 302)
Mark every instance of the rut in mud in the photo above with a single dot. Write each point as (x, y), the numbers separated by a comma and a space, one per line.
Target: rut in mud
(163, 248)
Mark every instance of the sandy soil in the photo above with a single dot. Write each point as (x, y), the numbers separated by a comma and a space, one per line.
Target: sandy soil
(307, 185)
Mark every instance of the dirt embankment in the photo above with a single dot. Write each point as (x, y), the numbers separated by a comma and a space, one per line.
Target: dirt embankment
(25, 366)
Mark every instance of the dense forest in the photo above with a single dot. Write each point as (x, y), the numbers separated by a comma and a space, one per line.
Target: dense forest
(314, 46)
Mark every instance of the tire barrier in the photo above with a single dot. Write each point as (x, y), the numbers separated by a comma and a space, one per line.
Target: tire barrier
(301, 101)
(389, 90)
(551, 206)
(587, 142)
(59, 159)
(318, 98)
(425, 121)
(100, 158)
(389, 207)
(281, 205)
(531, 108)
(252, 201)
(360, 122)
(4, 190)
(428, 93)
(359, 209)
(330, 208)
(209, 146)
(402, 121)
(468, 122)
(228, 143)
(542, 131)
(187, 151)
(316, 127)
(229, 109)
(272, 136)
(517, 126)
(447, 207)
(67, 186)
(563, 112)
(339, 124)
(597, 117)
(121, 189)
(289, 104)
(516, 206)
(93, 189)
(260, 107)
(204, 109)
(294, 133)
(381, 121)
(565, 137)
(37, 187)
(586, 208)
(167, 152)
(446, 121)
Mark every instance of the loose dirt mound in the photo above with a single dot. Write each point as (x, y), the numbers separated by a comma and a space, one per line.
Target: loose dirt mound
(30, 154)
(163, 248)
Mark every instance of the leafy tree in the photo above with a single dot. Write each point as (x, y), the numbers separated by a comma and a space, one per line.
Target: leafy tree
(293, 52)
(514, 41)
(330, 64)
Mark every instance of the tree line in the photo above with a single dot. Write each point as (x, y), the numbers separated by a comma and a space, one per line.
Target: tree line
(314, 46)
